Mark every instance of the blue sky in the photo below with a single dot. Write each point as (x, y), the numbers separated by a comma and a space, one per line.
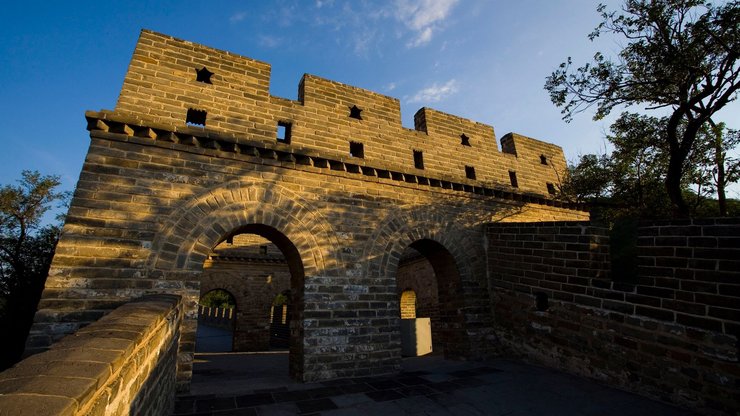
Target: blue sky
(479, 59)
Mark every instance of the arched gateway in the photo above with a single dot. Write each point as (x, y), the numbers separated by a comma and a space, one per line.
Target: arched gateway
(186, 162)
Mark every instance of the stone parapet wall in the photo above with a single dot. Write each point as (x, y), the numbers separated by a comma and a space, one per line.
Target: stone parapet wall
(123, 364)
(689, 271)
(161, 86)
(672, 336)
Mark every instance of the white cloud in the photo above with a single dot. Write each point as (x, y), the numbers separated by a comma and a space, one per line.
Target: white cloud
(390, 86)
(423, 17)
(364, 40)
(269, 41)
(237, 17)
(435, 93)
(424, 37)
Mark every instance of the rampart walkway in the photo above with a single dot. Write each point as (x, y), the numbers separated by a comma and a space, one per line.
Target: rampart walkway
(428, 386)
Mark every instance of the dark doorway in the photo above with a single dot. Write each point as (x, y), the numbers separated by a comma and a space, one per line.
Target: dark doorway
(428, 270)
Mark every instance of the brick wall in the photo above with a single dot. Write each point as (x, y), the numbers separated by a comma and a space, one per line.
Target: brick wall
(155, 196)
(161, 86)
(123, 364)
(673, 335)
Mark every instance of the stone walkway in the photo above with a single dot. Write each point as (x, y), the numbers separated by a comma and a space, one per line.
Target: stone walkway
(427, 386)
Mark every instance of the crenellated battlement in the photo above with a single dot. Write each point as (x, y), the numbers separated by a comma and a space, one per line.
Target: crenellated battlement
(178, 83)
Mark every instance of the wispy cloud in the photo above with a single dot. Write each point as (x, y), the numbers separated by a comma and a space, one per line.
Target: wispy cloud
(237, 17)
(422, 17)
(269, 41)
(434, 93)
(363, 41)
(364, 28)
(390, 86)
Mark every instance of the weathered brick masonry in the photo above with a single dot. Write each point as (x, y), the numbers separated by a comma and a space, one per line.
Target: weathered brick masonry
(157, 194)
(123, 364)
(254, 279)
(673, 335)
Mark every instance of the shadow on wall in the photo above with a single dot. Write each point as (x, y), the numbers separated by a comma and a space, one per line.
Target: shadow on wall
(343, 249)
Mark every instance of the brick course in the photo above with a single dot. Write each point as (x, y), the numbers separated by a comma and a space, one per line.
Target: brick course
(672, 336)
(123, 364)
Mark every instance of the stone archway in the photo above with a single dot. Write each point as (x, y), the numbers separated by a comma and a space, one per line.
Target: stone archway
(255, 270)
(194, 228)
(448, 320)
(274, 212)
(455, 257)
(386, 245)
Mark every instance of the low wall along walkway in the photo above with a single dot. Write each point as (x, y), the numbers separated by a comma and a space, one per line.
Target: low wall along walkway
(123, 364)
(671, 335)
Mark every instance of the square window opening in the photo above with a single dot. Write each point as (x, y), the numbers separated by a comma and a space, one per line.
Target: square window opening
(543, 159)
(469, 172)
(550, 188)
(356, 150)
(283, 132)
(263, 250)
(196, 117)
(512, 179)
(418, 159)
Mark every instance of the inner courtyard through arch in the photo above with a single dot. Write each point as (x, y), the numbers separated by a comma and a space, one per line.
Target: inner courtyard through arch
(428, 285)
(254, 270)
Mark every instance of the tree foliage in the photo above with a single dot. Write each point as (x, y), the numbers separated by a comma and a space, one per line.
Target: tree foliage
(680, 56)
(629, 181)
(714, 168)
(26, 249)
(218, 298)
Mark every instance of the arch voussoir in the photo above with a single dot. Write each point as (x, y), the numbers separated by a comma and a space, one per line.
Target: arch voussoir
(198, 225)
(386, 245)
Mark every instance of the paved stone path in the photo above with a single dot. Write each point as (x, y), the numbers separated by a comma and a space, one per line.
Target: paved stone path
(429, 387)
(212, 339)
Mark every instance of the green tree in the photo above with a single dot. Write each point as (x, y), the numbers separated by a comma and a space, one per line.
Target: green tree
(26, 249)
(679, 55)
(218, 298)
(629, 181)
(590, 180)
(715, 169)
(638, 165)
